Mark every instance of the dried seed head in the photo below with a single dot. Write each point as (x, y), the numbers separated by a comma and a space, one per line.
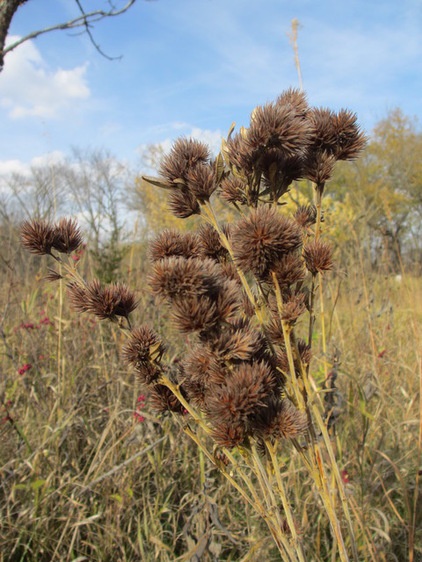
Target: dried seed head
(106, 302)
(263, 238)
(305, 215)
(318, 256)
(240, 153)
(229, 434)
(296, 99)
(281, 420)
(350, 139)
(184, 155)
(233, 190)
(177, 277)
(210, 243)
(293, 308)
(202, 371)
(183, 204)
(230, 408)
(336, 134)
(240, 342)
(201, 182)
(78, 297)
(38, 236)
(319, 166)
(194, 313)
(171, 242)
(228, 300)
(289, 269)
(68, 236)
(279, 126)
(144, 351)
(163, 400)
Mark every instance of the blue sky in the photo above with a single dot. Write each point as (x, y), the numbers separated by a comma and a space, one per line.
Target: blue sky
(192, 67)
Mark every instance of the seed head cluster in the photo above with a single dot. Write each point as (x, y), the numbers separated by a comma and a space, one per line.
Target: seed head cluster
(236, 291)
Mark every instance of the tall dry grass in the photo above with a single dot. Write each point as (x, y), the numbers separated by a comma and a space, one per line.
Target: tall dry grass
(88, 473)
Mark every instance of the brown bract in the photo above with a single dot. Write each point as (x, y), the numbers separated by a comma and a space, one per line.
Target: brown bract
(261, 239)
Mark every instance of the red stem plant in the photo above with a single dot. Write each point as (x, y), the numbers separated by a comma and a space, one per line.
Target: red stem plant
(243, 388)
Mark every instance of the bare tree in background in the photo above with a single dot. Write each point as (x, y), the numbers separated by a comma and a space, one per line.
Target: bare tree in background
(85, 20)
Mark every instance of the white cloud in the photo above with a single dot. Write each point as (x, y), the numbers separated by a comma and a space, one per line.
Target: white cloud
(29, 87)
(9, 167)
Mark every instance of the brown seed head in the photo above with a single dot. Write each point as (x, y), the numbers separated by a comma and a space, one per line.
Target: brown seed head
(178, 276)
(107, 302)
(279, 126)
(144, 351)
(305, 215)
(171, 242)
(68, 236)
(350, 139)
(184, 155)
(37, 236)
(183, 204)
(296, 99)
(319, 166)
(194, 313)
(263, 238)
(210, 243)
(233, 190)
(245, 392)
(201, 182)
(281, 420)
(318, 256)
(163, 400)
(289, 269)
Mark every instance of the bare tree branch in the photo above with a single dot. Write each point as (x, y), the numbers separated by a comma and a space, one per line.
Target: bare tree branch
(86, 20)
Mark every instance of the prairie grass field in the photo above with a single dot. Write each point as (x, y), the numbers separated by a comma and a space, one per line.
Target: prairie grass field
(89, 472)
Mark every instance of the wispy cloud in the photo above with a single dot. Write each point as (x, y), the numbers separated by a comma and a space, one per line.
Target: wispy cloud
(29, 87)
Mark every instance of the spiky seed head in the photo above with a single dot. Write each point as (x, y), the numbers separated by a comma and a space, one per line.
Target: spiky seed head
(144, 346)
(185, 155)
(210, 243)
(305, 215)
(233, 190)
(318, 256)
(262, 238)
(107, 302)
(171, 242)
(183, 204)
(37, 236)
(201, 182)
(68, 236)
(162, 400)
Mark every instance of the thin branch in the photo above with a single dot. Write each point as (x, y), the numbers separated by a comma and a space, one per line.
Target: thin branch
(84, 20)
